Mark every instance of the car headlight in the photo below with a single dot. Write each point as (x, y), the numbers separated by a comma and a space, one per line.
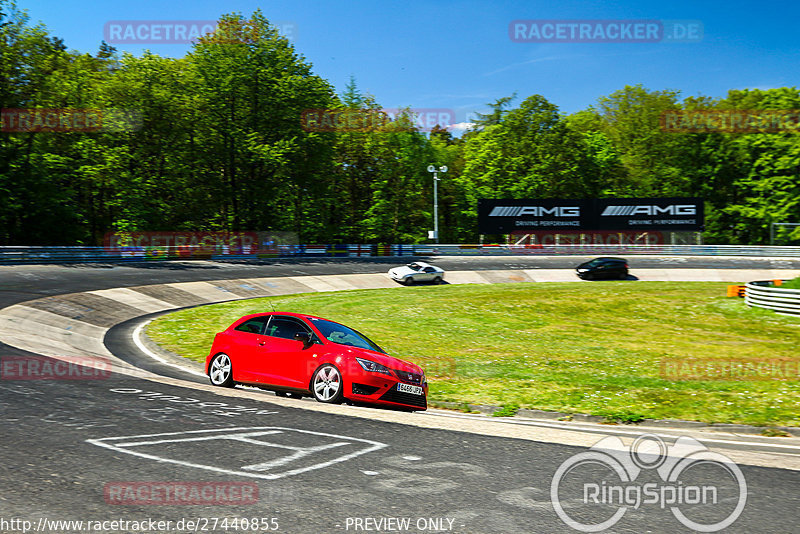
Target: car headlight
(373, 367)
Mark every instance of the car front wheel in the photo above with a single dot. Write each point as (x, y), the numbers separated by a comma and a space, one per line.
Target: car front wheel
(408, 281)
(327, 386)
(220, 372)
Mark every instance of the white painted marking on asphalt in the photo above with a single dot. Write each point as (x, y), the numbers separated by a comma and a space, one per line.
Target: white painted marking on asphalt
(137, 332)
(127, 444)
(412, 458)
(300, 453)
(370, 473)
(204, 438)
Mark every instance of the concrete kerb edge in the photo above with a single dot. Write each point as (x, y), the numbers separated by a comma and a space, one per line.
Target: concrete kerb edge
(571, 417)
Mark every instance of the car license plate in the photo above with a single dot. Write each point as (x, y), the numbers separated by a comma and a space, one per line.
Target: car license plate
(408, 388)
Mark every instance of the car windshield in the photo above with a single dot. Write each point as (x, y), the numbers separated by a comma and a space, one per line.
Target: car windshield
(604, 261)
(338, 333)
(415, 266)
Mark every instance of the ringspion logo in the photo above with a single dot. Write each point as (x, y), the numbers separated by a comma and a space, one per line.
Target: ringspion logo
(593, 490)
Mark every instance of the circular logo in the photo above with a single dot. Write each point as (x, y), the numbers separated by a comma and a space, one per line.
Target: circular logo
(618, 486)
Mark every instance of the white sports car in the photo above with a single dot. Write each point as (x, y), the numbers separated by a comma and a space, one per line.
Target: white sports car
(417, 272)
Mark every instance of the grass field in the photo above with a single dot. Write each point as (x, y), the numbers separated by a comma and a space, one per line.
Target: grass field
(591, 348)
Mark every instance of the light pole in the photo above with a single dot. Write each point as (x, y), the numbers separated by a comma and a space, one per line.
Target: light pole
(436, 178)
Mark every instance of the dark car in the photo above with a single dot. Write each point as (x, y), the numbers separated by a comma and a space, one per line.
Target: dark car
(301, 355)
(603, 269)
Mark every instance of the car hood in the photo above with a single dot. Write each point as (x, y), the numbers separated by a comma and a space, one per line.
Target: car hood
(384, 359)
(402, 271)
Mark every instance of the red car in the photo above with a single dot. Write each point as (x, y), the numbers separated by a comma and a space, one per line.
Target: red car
(300, 355)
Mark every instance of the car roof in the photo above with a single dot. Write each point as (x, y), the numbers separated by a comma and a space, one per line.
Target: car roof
(291, 314)
(608, 258)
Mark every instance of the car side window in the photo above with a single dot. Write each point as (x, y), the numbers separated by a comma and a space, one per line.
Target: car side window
(430, 270)
(253, 326)
(286, 327)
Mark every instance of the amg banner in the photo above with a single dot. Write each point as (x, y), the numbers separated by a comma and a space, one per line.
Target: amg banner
(498, 216)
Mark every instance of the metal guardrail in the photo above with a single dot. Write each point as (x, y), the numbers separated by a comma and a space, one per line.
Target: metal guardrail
(763, 294)
(592, 249)
(79, 254)
(29, 255)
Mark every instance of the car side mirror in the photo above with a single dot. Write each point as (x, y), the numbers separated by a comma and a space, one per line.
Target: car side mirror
(305, 337)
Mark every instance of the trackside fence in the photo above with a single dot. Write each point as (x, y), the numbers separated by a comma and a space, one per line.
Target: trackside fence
(80, 254)
(764, 294)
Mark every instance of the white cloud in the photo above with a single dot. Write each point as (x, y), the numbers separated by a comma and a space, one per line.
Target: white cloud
(520, 64)
(461, 127)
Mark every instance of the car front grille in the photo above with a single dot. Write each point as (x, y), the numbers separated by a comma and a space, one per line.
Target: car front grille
(405, 398)
(405, 376)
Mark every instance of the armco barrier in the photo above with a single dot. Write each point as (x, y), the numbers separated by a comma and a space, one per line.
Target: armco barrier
(593, 249)
(17, 255)
(23, 255)
(763, 294)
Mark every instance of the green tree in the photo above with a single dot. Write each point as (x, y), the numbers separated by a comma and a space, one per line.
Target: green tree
(631, 120)
(531, 153)
(767, 187)
(266, 171)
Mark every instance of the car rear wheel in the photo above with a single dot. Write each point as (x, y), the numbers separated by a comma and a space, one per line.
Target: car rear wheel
(327, 386)
(220, 372)
(437, 280)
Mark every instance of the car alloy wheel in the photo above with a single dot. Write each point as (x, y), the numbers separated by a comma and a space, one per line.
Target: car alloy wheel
(220, 371)
(326, 386)
(437, 280)
(408, 281)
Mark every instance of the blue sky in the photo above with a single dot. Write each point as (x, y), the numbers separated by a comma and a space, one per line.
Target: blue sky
(458, 54)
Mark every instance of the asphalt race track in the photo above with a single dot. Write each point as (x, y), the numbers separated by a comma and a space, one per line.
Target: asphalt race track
(109, 447)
